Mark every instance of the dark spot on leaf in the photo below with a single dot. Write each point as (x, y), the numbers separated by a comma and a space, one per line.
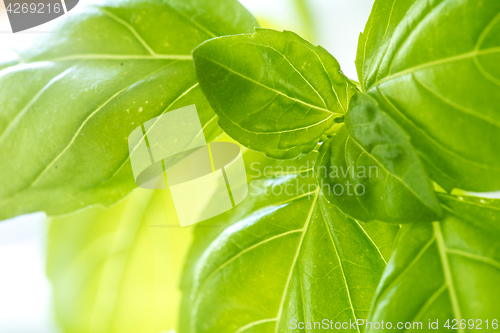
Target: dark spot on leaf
(339, 120)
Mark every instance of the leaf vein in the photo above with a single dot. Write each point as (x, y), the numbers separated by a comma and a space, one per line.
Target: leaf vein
(447, 272)
(436, 143)
(342, 271)
(299, 246)
(130, 28)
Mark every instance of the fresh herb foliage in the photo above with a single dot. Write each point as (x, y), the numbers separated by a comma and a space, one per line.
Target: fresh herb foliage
(71, 101)
(445, 270)
(273, 91)
(373, 154)
(427, 111)
(425, 115)
(434, 66)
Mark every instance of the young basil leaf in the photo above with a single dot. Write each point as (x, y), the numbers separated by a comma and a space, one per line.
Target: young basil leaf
(435, 68)
(117, 270)
(75, 96)
(370, 170)
(279, 257)
(445, 270)
(273, 91)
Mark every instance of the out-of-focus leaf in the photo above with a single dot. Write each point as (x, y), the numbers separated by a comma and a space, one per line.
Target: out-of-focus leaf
(70, 103)
(307, 19)
(273, 91)
(284, 253)
(435, 68)
(118, 270)
(371, 171)
(445, 270)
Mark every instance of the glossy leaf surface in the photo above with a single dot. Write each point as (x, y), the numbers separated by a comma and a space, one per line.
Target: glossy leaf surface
(371, 171)
(445, 270)
(435, 68)
(284, 256)
(70, 103)
(273, 91)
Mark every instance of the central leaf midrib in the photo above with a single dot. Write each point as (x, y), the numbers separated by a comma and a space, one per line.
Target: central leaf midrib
(447, 272)
(295, 69)
(256, 245)
(342, 271)
(105, 56)
(390, 173)
(128, 155)
(295, 259)
(59, 155)
(271, 89)
(463, 56)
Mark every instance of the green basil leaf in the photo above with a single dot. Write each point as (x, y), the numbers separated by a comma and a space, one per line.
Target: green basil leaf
(445, 270)
(279, 256)
(264, 174)
(117, 270)
(370, 170)
(273, 91)
(75, 96)
(482, 210)
(435, 68)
